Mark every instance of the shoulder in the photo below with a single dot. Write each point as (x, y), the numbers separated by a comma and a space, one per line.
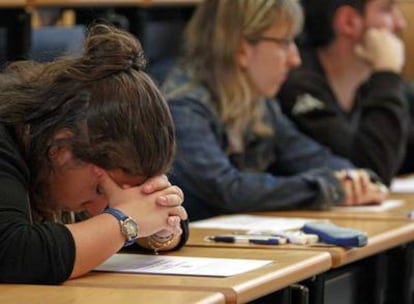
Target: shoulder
(306, 88)
(185, 94)
(8, 144)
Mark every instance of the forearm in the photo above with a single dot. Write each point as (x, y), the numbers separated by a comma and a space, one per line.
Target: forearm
(246, 192)
(382, 134)
(96, 239)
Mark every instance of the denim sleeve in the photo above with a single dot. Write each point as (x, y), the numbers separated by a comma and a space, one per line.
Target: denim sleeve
(210, 181)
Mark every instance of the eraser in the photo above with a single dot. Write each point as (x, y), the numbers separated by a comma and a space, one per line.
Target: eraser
(332, 234)
(293, 236)
(299, 237)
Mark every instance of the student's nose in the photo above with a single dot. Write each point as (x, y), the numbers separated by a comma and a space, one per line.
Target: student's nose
(400, 23)
(294, 59)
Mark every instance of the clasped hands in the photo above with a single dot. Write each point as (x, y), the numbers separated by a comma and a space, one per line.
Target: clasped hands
(359, 189)
(155, 205)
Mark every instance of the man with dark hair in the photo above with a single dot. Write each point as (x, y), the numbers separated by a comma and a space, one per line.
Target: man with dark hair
(322, 33)
(349, 94)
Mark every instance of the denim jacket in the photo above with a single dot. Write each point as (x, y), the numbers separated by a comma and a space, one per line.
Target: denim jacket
(284, 171)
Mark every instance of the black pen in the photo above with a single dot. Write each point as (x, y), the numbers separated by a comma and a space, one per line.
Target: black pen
(260, 240)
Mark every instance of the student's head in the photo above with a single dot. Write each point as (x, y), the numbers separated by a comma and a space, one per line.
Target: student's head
(348, 17)
(76, 116)
(226, 39)
(242, 50)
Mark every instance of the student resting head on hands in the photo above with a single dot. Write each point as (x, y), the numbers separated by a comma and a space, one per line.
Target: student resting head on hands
(236, 152)
(85, 135)
(349, 94)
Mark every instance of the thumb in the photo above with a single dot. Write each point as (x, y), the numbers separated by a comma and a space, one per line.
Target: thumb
(362, 53)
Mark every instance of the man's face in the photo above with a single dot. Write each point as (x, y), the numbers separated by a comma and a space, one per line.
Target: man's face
(384, 14)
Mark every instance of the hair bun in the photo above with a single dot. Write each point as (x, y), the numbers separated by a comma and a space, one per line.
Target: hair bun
(114, 49)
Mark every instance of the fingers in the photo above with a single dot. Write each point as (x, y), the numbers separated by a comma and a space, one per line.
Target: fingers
(378, 193)
(155, 205)
(359, 182)
(173, 228)
(359, 189)
(173, 220)
(353, 185)
(175, 197)
(179, 212)
(381, 49)
(167, 232)
(362, 53)
(156, 183)
(349, 193)
(174, 224)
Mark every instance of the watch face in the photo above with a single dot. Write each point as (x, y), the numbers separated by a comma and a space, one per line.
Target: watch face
(130, 229)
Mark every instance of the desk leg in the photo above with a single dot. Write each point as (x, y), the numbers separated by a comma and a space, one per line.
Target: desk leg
(280, 297)
(401, 275)
(357, 283)
(299, 294)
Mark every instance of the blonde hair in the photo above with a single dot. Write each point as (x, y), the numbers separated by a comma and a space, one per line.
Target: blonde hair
(213, 39)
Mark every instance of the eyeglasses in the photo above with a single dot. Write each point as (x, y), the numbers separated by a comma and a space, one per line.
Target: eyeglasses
(284, 42)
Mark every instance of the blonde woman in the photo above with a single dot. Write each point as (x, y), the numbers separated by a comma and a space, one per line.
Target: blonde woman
(236, 152)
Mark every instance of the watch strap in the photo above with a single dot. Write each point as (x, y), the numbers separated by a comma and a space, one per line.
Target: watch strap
(119, 215)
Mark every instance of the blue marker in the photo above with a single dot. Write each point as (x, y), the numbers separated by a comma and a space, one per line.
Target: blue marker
(410, 214)
(259, 240)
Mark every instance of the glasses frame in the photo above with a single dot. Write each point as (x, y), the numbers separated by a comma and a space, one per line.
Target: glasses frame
(284, 42)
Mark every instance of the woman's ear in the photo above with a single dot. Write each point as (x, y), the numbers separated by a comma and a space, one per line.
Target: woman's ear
(243, 53)
(60, 155)
(348, 22)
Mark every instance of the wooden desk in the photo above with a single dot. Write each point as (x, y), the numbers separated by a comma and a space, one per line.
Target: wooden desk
(289, 267)
(39, 294)
(398, 213)
(407, 8)
(383, 235)
(13, 3)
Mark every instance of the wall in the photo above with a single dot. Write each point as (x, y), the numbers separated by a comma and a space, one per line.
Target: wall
(407, 8)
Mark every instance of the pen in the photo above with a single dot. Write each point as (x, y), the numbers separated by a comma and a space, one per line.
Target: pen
(297, 237)
(260, 240)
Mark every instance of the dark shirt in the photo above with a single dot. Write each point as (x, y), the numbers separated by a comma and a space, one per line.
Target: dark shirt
(285, 170)
(31, 251)
(408, 163)
(372, 135)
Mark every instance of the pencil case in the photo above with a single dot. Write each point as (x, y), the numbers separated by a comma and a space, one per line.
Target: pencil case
(332, 234)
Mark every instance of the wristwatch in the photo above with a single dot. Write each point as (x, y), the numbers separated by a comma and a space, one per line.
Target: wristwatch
(129, 227)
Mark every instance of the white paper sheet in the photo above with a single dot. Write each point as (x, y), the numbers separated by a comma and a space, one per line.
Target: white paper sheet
(403, 185)
(194, 266)
(250, 222)
(384, 206)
